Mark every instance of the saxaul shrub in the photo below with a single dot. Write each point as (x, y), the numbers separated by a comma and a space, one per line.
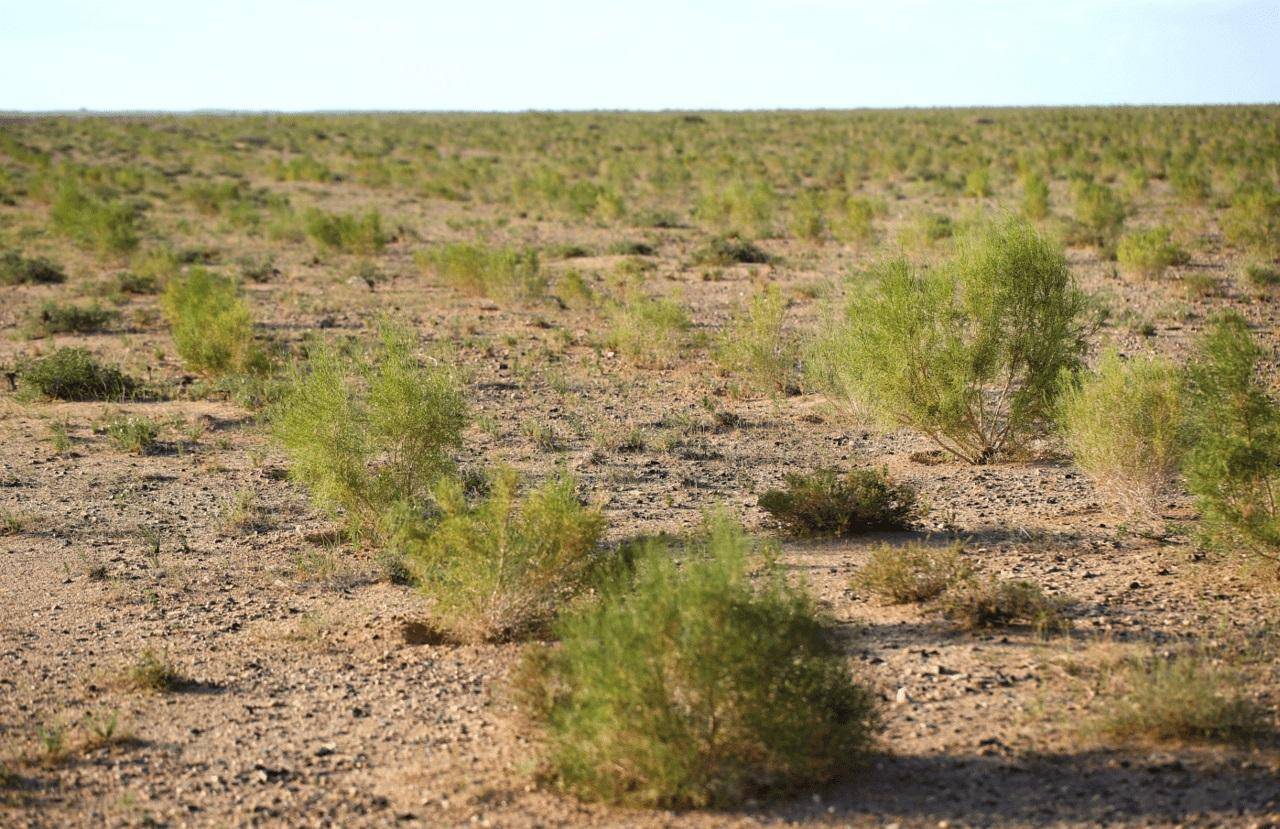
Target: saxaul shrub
(108, 226)
(855, 219)
(971, 352)
(723, 251)
(977, 183)
(500, 567)
(1099, 213)
(366, 432)
(1253, 220)
(1149, 253)
(73, 374)
(16, 269)
(755, 349)
(499, 273)
(347, 232)
(691, 684)
(211, 324)
(69, 318)
(1123, 423)
(651, 332)
(808, 216)
(986, 602)
(827, 503)
(912, 572)
(1035, 196)
(1233, 464)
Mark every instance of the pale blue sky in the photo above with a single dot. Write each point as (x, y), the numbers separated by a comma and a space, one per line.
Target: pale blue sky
(595, 54)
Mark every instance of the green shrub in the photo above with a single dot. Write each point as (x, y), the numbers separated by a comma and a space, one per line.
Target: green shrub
(501, 568)
(978, 183)
(649, 331)
(722, 251)
(740, 207)
(808, 216)
(107, 226)
(754, 347)
(929, 229)
(1100, 214)
(1183, 698)
(1253, 220)
(913, 572)
(692, 687)
(1148, 253)
(1233, 465)
(66, 318)
(346, 232)
(363, 435)
(211, 325)
(132, 433)
(989, 602)
(1260, 277)
(136, 283)
(153, 672)
(855, 222)
(508, 273)
(1035, 196)
(1123, 424)
(826, 503)
(970, 352)
(73, 374)
(19, 270)
(1190, 184)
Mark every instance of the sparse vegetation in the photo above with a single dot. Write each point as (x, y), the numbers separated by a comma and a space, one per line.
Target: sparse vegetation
(347, 233)
(19, 270)
(755, 349)
(986, 602)
(489, 272)
(649, 331)
(827, 503)
(1149, 253)
(67, 318)
(132, 433)
(912, 572)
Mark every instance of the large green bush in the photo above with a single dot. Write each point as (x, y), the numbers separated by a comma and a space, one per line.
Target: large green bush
(692, 686)
(502, 567)
(366, 434)
(1123, 424)
(1233, 465)
(211, 324)
(971, 352)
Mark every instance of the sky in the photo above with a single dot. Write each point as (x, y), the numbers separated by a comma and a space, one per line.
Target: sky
(301, 55)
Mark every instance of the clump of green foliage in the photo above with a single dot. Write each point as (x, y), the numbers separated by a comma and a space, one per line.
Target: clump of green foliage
(827, 503)
(1149, 253)
(506, 273)
(809, 216)
(912, 572)
(73, 374)
(755, 348)
(1123, 425)
(987, 602)
(68, 318)
(855, 220)
(1233, 464)
(1261, 278)
(722, 251)
(1100, 215)
(106, 225)
(132, 433)
(649, 331)
(153, 672)
(977, 182)
(346, 232)
(502, 567)
(1035, 196)
(211, 324)
(365, 434)
(1183, 698)
(16, 269)
(1253, 220)
(690, 685)
(970, 352)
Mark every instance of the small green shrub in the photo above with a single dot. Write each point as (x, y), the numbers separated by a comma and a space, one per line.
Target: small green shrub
(978, 183)
(1035, 196)
(913, 572)
(649, 331)
(136, 283)
(105, 225)
(132, 433)
(971, 352)
(73, 374)
(988, 602)
(505, 273)
(1123, 424)
(855, 221)
(211, 325)
(363, 435)
(67, 318)
(19, 270)
(690, 687)
(1183, 698)
(347, 233)
(1260, 277)
(1100, 215)
(1233, 465)
(809, 216)
(722, 251)
(1253, 220)
(1190, 184)
(754, 347)
(1149, 253)
(153, 672)
(826, 503)
(929, 229)
(501, 568)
